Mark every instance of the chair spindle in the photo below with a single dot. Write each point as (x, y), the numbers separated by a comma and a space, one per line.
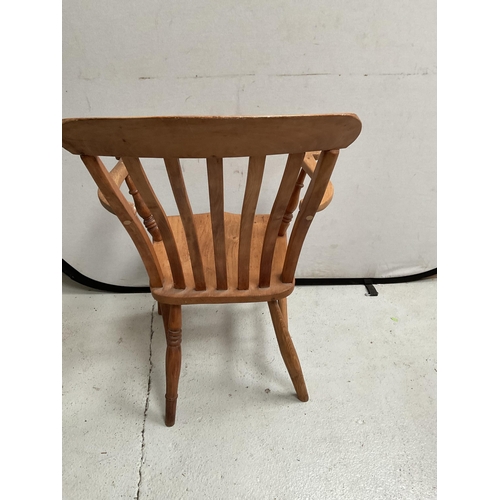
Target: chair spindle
(176, 178)
(139, 178)
(292, 204)
(252, 190)
(307, 211)
(125, 213)
(285, 190)
(143, 210)
(216, 196)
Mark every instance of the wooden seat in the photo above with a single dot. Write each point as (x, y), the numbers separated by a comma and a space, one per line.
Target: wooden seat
(276, 290)
(216, 257)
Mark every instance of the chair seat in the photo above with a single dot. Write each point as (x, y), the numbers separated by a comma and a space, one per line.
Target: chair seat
(170, 295)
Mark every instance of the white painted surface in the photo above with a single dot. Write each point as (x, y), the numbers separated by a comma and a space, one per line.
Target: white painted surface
(218, 57)
(368, 431)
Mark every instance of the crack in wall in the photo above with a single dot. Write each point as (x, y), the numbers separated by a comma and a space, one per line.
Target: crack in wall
(146, 406)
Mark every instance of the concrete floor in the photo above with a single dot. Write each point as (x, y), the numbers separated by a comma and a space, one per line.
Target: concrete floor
(367, 432)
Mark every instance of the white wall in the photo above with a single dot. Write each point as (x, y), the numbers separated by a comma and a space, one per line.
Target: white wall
(375, 59)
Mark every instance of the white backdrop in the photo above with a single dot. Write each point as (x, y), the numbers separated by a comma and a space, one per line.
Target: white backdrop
(375, 59)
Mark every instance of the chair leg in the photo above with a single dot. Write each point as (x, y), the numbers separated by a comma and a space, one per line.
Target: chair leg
(284, 310)
(163, 310)
(287, 350)
(172, 321)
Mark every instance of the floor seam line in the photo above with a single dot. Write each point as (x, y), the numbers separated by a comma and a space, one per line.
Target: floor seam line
(146, 406)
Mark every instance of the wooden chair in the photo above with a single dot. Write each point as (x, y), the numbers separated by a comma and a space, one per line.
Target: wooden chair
(215, 257)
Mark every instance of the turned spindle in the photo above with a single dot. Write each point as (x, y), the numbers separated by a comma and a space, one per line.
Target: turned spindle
(292, 204)
(173, 331)
(143, 210)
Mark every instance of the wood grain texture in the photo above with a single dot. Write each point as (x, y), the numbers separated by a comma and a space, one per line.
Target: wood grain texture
(292, 204)
(203, 137)
(309, 165)
(173, 331)
(283, 303)
(118, 174)
(169, 295)
(276, 217)
(186, 213)
(216, 196)
(307, 211)
(288, 352)
(216, 257)
(252, 190)
(139, 176)
(122, 209)
(143, 210)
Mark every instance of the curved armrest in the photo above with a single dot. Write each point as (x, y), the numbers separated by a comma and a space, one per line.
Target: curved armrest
(118, 174)
(308, 165)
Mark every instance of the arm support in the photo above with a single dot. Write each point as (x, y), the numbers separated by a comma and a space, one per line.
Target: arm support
(308, 165)
(118, 174)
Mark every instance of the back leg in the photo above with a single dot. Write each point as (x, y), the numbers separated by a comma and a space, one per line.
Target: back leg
(284, 310)
(163, 309)
(287, 350)
(172, 321)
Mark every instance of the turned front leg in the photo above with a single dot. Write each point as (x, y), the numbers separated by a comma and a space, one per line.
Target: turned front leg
(173, 330)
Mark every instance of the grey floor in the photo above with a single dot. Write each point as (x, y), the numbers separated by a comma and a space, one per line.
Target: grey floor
(367, 432)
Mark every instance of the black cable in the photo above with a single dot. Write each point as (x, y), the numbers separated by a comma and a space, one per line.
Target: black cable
(75, 275)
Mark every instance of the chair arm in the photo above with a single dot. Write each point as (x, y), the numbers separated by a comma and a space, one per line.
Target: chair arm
(309, 165)
(118, 174)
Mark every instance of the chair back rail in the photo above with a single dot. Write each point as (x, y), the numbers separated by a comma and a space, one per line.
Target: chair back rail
(213, 138)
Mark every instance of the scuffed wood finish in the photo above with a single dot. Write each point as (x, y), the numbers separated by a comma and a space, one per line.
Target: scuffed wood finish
(118, 174)
(293, 203)
(202, 137)
(181, 198)
(216, 195)
(143, 210)
(138, 175)
(284, 309)
(309, 165)
(307, 211)
(276, 217)
(252, 190)
(276, 290)
(288, 352)
(216, 257)
(173, 329)
(125, 213)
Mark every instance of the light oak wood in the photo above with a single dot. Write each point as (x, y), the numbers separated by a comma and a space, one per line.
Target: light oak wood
(288, 352)
(117, 174)
(276, 217)
(309, 165)
(293, 203)
(203, 137)
(277, 289)
(284, 310)
(216, 195)
(138, 174)
(181, 198)
(122, 209)
(217, 257)
(252, 190)
(143, 210)
(173, 329)
(308, 209)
